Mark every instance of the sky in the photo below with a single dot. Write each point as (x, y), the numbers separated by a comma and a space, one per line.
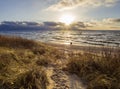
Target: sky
(88, 14)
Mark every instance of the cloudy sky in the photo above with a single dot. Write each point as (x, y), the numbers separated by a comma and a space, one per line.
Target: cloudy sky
(88, 14)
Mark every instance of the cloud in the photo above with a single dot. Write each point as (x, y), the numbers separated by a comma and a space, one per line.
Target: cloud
(112, 20)
(30, 23)
(53, 23)
(68, 4)
(9, 25)
(107, 24)
(78, 25)
(116, 20)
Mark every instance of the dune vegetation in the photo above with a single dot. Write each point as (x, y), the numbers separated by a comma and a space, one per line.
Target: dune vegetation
(97, 71)
(23, 65)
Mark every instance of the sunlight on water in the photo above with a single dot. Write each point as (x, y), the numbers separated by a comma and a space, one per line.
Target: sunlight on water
(82, 38)
(67, 37)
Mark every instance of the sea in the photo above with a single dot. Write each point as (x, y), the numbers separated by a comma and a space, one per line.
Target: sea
(109, 38)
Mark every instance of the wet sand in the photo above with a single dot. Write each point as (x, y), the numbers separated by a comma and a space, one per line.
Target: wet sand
(91, 49)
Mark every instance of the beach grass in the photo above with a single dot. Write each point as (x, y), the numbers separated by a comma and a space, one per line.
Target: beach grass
(22, 63)
(98, 71)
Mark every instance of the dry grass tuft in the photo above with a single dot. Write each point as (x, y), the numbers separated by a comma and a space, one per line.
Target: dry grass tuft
(34, 79)
(16, 42)
(18, 68)
(98, 71)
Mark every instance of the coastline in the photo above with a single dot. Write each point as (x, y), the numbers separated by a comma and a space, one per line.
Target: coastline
(76, 48)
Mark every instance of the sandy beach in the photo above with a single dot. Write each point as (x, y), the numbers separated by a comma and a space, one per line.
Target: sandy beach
(89, 49)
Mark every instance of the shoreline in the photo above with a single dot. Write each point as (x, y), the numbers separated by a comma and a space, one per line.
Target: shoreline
(76, 48)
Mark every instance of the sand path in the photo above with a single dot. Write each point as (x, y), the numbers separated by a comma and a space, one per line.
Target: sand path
(59, 79)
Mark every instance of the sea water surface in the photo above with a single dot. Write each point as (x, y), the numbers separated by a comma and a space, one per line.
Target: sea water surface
(77, 37)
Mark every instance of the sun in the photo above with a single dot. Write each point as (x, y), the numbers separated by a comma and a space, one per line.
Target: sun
(67, 19)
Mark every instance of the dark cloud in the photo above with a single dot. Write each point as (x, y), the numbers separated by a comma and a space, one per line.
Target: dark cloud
(30, 23)
(81, 25)
(7, 25)
(53, 23)
(116, 20)
(11, 23)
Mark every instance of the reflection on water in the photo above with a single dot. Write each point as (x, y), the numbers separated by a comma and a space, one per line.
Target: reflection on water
(86, 38)
(67, 37)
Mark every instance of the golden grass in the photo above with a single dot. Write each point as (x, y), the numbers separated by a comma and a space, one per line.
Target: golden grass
(16, 42)
(20, 66)
(97, 71)
(22, 62)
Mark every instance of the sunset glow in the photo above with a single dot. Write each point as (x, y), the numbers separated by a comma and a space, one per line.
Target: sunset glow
(67, 19)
